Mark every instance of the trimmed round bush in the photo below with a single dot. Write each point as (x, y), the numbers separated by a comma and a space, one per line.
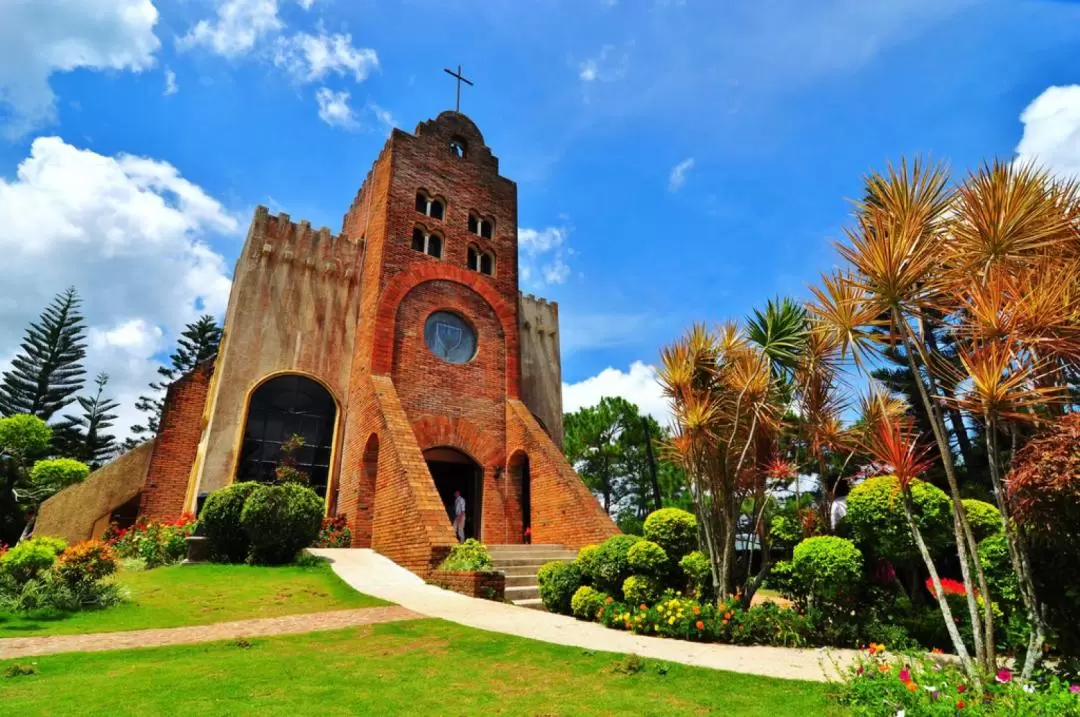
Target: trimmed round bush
(470, 555)
(698, 571)
(674, 530)
(55, 474)
(31, 558)
(85, 562)
(985, 519)
(997, 565)
(281, 520)
(610, 564)
(641, 589)
(586, 602)
(876, 516)
(220, 519)
(586, 559)
(827, 567)
(647, 558)
(558, 582)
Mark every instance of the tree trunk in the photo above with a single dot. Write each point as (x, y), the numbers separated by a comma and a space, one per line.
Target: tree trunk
(658, 501)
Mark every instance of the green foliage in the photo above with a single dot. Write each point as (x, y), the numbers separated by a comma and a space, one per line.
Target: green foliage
(154, 543)
(280, 521)
(52, 475)
(641, 589)
(674, 530)
(828, 567)
(48, 370)
(31, 558)
(85, 436)
(780, 331)
(24, 436)
(220, 518)
(784, 531)
(558, 582)
(586, 562)
(470, 555)
(985, 519)
(586, 602)
(877, 520)
(647, 558)
(85, 562)
(610, 564)
(698, 572)
(997, 565)
(287, 470)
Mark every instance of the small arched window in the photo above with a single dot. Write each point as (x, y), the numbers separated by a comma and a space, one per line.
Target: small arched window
(481, 261)
(426, 242)
(481, 227)
(457, 147)
(430, 206)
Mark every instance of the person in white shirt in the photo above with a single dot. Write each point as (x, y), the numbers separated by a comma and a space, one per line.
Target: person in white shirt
(459, 516)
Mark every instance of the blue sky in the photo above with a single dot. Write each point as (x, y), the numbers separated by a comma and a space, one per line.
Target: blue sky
(676, 160)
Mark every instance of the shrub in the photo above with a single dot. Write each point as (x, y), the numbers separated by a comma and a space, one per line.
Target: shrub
(30, 558)
(52, 475)
(610, 565)
(85, 562)
(335, 533)
(674, 530)
(220, 518)
(997, 566)
(876, 516)
(641, 589)
(985, 518)
(155, 543)
(586, 602)
(24, 436)
(280, 521)
(470, 555)
(647, 558)
(698, 571)
(586, 562)
(558, 582)
(72, 581)
(827, 567)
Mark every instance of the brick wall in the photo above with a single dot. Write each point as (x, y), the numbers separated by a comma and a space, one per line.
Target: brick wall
(176, 445)
(564, 512)
(488, 585)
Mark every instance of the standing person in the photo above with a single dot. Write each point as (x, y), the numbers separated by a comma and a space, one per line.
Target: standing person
(459, 516)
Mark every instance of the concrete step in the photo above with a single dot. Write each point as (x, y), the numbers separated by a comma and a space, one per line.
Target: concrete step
(533, 603)
(528, 592)
(533, 557)
(520, 581)
(520, 565)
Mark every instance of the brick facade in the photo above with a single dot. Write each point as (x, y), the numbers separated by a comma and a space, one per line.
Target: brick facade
(474, 583)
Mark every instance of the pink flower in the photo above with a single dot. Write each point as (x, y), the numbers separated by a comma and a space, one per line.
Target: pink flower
(1004, 675)
(905, 675)
(1075, 689)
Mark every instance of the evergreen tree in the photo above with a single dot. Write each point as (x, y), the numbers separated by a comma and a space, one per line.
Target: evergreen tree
(48, 371)
(198, 342)
(84, 436)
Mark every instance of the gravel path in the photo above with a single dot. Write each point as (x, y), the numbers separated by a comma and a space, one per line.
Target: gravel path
(263, 627)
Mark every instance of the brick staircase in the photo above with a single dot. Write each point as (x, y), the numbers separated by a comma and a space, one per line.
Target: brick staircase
(520, 563)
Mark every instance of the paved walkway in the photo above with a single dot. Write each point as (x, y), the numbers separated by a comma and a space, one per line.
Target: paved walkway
(376, 575)
(286, 625)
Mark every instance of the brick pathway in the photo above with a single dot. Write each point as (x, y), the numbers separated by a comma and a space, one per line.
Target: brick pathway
(286, 625)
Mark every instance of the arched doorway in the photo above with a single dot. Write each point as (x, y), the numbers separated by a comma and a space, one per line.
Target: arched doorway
(518, 468)
(453, 471)
(283, 407)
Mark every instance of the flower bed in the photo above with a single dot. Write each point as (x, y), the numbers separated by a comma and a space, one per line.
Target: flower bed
(154, 542)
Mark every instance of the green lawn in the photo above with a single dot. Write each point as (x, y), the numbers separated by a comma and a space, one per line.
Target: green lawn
(414, 667)
(200, 594)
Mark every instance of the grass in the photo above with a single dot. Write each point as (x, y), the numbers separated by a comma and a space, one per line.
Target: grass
(198, 595)
(412, 667)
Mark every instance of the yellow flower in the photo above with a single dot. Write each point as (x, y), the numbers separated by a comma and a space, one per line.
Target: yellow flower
(671, 621)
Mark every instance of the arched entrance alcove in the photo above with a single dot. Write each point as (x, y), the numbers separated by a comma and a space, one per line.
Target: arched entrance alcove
(454, 471)
(281, 407)
(518, 468)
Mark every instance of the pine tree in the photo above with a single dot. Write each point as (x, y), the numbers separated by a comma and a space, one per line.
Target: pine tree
(48, 371)
(198, 342)
(85, 437)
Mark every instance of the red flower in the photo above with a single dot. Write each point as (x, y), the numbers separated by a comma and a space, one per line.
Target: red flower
(959, 704)
(948, 586)
(699, 625)
(960, 689)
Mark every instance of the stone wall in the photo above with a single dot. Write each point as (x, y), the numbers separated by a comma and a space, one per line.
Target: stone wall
(72, 513)
(474, 583)
(541, 364)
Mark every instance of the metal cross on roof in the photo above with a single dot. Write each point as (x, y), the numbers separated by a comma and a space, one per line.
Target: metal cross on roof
(460, 78)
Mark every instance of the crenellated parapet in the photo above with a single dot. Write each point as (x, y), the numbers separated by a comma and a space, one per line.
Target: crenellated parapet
(541, 375)
(276, 238)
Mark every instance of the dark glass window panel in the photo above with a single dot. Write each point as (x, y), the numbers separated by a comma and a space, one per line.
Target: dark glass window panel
(436, 209)
(435, 246)
(450, 337)
(486, 264)
(281, 407)
(418, 240)
(472, 259)
(485, 229)
(421, 203)
(472, 224)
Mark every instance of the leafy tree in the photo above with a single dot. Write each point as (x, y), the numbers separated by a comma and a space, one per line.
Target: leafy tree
(84, 436)
(198, 342)
(23, 438)
(48, 371)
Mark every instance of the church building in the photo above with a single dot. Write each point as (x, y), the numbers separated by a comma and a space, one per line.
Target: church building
(403, 353)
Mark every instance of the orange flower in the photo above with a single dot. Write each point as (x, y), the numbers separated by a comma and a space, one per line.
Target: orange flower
(937, 651)
(911, 687)
(697, 610)
(609, 600)
(727, 615)
(883, 668)
(699, 625)
(959, 704)
(643, 606)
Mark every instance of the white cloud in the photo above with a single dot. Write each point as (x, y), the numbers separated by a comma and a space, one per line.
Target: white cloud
(1052, 131)
(677, 178)
(170, 82)
(310, 58)
(129, 233)
(383, 116)
(238, 27)
(542, 258)
(608, 66)
(39, 38)
(638, 385)
(306, 4)
(334, 108)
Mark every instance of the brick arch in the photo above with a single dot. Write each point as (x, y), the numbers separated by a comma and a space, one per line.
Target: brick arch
(458, 433)
(399, 287)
